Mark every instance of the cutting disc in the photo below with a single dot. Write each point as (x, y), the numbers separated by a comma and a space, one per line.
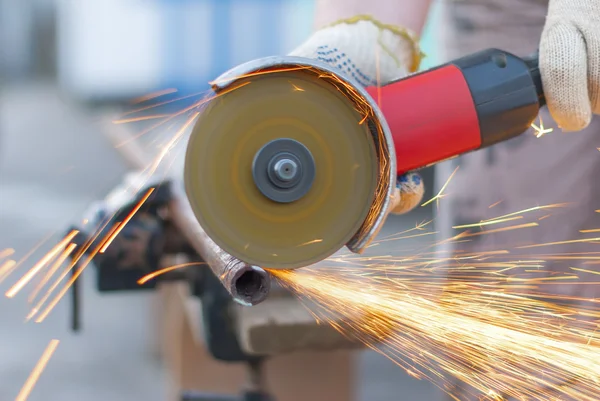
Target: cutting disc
(263, 115)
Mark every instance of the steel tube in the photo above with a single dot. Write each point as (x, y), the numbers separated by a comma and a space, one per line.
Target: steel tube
(247, 284)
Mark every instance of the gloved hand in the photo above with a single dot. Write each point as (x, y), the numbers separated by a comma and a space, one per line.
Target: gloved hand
(570, 62)
(371, 53)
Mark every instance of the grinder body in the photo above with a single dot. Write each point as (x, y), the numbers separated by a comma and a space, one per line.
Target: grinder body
(470, 103)
(289, 108)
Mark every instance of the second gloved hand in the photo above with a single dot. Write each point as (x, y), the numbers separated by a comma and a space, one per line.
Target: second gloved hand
(372, 53)
(570, 62)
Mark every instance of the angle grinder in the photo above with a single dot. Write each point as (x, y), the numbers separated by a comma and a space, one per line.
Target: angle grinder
(292, 159)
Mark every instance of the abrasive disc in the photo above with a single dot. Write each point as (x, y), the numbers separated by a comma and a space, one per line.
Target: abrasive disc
(222, 152)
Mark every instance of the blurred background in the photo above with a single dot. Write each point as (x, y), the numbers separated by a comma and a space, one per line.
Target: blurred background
(65, 65)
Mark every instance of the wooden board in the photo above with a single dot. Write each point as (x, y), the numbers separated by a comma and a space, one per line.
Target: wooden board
(278, 326)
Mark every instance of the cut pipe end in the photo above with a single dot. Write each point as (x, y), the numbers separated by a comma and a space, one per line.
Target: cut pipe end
(251, 286)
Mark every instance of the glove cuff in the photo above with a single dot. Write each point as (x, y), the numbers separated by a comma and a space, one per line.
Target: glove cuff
(364, 48)
(408, 194)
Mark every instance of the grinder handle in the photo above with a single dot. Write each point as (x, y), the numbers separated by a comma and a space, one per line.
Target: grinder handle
(467, 104)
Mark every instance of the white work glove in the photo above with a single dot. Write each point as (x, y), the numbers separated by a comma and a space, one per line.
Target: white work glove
(570, 62)
(366, 50)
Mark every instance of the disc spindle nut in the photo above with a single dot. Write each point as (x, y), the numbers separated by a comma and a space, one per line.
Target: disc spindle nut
(285, 169)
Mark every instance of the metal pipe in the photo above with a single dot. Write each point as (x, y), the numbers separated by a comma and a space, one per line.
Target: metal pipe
(247, 284)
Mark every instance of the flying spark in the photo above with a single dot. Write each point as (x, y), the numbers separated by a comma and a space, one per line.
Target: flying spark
(6, 253)
(540, 130)
(486, 320)
(483, 330)
(160, 272)
(441, 194)
(37, 371)
(39, 265)
(6, 268)
(154, 95)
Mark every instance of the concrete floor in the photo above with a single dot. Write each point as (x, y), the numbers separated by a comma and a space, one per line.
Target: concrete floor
(53, 162)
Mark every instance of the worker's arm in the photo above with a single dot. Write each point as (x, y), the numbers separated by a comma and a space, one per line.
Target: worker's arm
(410, 14)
